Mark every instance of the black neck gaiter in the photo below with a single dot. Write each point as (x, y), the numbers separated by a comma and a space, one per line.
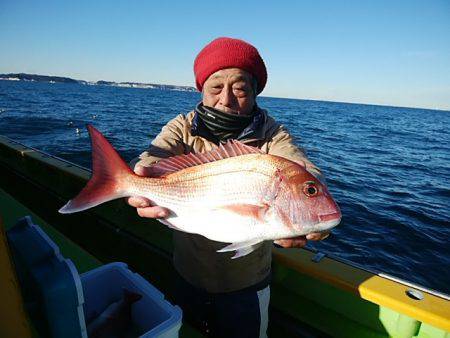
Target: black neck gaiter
(223, 126)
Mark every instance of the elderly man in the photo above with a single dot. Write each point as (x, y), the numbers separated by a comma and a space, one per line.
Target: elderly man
(228, 298)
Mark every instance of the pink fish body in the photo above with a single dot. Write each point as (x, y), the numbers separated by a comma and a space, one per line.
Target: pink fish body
(234, 194)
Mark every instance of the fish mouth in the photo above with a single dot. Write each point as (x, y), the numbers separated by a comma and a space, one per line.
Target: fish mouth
(328, 221)
(330, 217)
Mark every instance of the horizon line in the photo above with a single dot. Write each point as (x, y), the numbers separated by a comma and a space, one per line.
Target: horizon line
(275, 97)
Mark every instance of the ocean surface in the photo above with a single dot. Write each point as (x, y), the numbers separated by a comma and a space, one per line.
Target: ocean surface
(387, 167)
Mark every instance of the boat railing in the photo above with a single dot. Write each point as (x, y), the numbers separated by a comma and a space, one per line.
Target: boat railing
(331, 294)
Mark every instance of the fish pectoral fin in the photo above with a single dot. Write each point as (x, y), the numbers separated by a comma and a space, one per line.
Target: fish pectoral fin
(248, 210)
(245, 251)
(168, 224)
(240, 245)
(242, 248)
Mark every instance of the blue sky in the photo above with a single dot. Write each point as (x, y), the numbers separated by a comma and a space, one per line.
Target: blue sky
(381, 52)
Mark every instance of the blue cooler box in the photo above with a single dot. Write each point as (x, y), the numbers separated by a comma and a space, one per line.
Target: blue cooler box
(59, 299)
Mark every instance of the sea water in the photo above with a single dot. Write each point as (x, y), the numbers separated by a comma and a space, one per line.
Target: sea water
(387, 167)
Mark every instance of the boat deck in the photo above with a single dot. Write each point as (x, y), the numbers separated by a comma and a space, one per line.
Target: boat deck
(11, 210)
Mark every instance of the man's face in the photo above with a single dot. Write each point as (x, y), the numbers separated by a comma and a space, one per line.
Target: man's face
(229, 90)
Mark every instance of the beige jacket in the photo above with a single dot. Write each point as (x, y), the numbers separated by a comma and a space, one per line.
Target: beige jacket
(195, 256)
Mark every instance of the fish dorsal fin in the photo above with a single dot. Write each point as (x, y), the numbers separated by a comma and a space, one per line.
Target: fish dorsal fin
(232, 148)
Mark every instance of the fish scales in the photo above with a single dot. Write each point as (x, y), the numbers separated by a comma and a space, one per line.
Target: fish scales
(211, 185)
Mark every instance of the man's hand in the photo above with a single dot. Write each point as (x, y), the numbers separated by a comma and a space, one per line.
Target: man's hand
(300, 241)
(143, 205)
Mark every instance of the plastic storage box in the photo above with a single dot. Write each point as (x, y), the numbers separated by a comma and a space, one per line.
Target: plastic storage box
(59, 300)
(50, 284)
(152, 316)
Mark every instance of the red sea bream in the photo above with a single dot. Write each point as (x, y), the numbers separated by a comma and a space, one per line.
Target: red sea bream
(234, 194)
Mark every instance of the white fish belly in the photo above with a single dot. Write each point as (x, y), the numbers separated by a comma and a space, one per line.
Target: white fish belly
(218, 225)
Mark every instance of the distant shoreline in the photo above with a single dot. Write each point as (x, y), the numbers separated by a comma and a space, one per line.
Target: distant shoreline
(60, 79)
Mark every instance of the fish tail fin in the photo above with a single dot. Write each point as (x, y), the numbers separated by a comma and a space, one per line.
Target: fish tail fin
(108, 180)
(131, 296)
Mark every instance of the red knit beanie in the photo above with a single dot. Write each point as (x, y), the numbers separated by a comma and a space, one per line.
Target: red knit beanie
(224, 53)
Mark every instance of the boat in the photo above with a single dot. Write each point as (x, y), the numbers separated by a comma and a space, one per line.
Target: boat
(312, 294)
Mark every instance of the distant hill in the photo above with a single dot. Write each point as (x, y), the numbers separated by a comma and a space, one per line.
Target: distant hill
(38, 78)
(59, 79)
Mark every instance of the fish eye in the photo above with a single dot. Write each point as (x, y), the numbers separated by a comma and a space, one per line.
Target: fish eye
(310, 189)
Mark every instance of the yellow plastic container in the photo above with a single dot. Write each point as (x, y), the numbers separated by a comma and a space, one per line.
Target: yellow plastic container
(13, 319)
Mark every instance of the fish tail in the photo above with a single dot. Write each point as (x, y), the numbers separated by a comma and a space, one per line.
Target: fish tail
(109, 176)
(131, 296)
